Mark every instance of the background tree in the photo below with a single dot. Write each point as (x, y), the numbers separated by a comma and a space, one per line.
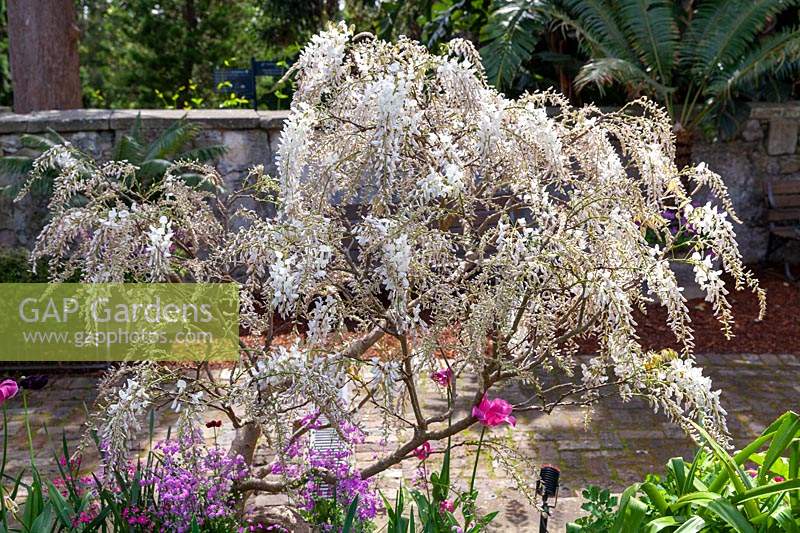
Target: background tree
(43, 48)
(5, 68)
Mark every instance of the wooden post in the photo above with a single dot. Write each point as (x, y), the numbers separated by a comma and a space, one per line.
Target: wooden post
(43, 48)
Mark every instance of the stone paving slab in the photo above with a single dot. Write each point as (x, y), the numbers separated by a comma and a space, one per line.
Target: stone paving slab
(621, 443)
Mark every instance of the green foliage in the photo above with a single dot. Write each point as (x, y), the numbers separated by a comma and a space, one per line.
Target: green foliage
(716, 492)
(15, 267)
(600, 505)
(695, 58)
(435, 509)
(152, 159)
(512, 32)
(5, 66)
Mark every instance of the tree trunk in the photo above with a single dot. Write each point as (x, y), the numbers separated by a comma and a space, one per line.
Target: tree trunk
(43, 48)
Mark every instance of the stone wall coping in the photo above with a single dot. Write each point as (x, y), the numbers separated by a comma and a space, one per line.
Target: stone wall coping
(72, 120)
(763, 110)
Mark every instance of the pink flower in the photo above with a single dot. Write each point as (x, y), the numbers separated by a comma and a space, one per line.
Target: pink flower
(8, 389)
(492, 413)
(778, 479)
(447, 506)
(423, 452)
(443, 377)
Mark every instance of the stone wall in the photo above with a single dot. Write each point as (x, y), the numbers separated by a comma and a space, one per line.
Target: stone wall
(250, 138)
(767, 147)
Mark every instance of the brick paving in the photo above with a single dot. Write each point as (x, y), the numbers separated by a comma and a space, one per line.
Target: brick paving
(621, 443)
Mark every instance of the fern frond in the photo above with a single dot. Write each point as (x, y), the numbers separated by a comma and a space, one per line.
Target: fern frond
(510, 36)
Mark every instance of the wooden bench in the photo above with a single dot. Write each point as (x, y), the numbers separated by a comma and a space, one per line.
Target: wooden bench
(782, 215)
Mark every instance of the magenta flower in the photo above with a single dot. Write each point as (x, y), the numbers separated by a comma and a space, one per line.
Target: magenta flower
(8, 389)
(492, 413)
(447, 506)
(423, 452)
(443, 377)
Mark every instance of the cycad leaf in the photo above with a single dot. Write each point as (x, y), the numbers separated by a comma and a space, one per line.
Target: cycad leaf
(605, 71)
(778, 55)
(653, 32)
(171, 141)
(128, 149)
(15, 165)
(723, 31)
(510, 36)
(203, 154)
(597, 24)
(38, 142)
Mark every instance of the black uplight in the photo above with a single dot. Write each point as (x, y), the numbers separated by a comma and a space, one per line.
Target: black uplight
(547, 487)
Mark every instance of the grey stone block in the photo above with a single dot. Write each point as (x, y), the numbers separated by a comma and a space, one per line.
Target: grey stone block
(789, 164)
(782, 136)
(753, 131)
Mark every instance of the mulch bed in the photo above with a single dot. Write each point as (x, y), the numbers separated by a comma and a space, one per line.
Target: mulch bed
(778, 333)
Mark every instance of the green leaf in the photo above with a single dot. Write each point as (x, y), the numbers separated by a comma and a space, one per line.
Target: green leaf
(731, 515)
(631, 511)
(351, 514)
(63, 510)
(693, 525)
(767, 490)
(780, 441)
(171, 141)
(653, 32)
(510, 36)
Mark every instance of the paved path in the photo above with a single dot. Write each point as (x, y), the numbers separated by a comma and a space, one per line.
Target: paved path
(620, 445)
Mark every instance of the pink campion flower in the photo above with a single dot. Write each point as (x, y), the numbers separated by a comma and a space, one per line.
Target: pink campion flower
(8, 389)
(443, 377)
(447, 506)
(779, 479)
(492, 413)
(423, 452)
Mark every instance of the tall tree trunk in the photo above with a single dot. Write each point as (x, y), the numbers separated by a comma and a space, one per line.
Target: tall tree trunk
(43, 47)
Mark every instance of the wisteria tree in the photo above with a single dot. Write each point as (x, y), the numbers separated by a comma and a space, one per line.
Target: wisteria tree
(484, 236)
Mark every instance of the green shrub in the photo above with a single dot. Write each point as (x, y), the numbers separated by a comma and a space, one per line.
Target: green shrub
(715, 492)
(15, 267)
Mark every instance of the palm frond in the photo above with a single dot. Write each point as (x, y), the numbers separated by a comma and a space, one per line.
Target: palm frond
(605, 71)
(510, 35)
(652, 30)
(203, 154)
(597, 25)
(723, 31)
(171, 141)
(778, 56)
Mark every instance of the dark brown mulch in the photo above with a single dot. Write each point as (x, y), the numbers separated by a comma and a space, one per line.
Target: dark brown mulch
(779, 332)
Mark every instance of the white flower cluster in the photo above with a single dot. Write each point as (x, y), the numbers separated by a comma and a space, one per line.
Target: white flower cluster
(159, 247)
